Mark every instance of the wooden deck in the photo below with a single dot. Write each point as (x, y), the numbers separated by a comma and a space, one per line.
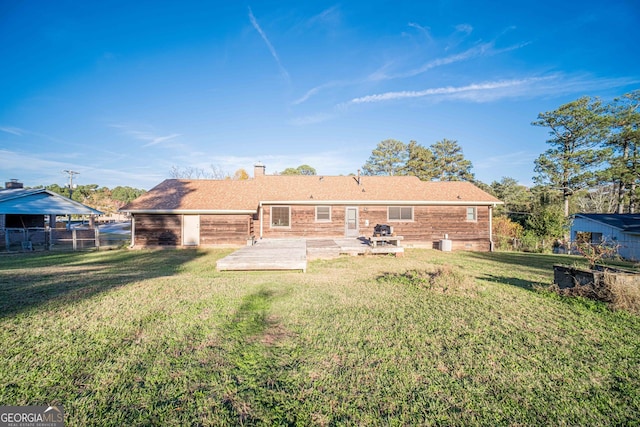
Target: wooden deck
(268, 254)
(292, 254)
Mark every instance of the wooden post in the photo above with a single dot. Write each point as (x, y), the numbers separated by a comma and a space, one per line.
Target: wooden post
(73, 236)
(97, 237)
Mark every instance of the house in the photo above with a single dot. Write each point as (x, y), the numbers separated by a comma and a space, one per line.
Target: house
(622, 230)
(24, 213)
(181, 212)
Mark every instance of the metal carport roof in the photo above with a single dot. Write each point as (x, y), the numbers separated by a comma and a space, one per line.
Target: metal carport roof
(40, 202)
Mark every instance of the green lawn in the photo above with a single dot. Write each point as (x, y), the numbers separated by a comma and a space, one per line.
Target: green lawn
(143, 338)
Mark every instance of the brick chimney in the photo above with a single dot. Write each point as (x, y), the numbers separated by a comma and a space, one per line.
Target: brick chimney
(258, 170)
(13, 183)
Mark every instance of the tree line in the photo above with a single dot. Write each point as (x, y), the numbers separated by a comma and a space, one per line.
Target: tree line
(107, 200)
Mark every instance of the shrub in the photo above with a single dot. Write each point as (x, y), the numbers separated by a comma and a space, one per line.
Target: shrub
(443, 279)
(506, 232)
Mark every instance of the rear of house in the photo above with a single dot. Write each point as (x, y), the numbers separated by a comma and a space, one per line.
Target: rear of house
(227, 212)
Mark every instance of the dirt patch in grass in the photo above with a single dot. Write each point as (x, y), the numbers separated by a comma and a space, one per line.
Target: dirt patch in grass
(444, 279)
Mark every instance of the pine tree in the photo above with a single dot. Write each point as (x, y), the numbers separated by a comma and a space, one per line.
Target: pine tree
(388, 158)
(572, 162)
(449, 162)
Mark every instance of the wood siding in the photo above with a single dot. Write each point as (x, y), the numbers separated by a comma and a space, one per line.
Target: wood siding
(304, 224)
(158, 230)
(166, 230)
(225, 229)
(428, 227)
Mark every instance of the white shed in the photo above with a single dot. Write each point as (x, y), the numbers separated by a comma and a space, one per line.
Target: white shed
(620, 229)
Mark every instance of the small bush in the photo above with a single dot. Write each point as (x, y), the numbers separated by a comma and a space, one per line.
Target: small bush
(443, 279)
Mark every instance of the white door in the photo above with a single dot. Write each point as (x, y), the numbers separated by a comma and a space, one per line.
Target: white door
(351, 222)
(191, 230)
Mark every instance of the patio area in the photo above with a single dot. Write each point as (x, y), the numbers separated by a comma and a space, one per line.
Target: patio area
(293, 254)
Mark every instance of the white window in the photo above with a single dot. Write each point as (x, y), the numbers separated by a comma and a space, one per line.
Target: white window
(323, 213)
(472, 214)
(400, 213)
(280, 216)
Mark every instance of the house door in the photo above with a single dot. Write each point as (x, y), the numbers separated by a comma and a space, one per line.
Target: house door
(191, 230)
(351, 222)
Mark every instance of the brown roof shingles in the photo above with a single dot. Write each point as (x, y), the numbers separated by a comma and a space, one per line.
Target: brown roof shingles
(230, 195)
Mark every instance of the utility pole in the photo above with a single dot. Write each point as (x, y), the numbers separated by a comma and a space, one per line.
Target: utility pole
(71, 174)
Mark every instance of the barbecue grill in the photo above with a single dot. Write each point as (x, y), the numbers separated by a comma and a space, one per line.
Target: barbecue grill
(381, 230)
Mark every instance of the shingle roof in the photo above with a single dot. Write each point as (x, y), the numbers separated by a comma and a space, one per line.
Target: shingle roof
(39, 201)
(230, 195)
(628, 223)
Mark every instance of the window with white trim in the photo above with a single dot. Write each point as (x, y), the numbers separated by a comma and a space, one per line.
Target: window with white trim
(280, 216)
(323, 213)
(400, 213)
(472, 213)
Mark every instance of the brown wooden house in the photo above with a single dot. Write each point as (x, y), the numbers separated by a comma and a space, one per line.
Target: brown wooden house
(181, 212)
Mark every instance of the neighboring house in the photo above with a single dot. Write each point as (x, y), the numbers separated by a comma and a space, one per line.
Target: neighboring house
(181, 212)
(622, 230)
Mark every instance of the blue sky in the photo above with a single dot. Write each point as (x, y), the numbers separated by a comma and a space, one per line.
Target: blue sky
(122, 91)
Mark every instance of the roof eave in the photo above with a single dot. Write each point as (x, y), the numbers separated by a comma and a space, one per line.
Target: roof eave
(383, 202)
(191, 211)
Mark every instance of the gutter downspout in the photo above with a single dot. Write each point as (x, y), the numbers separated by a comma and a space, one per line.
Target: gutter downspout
(133, 231)
(491, 228)
(260, 213)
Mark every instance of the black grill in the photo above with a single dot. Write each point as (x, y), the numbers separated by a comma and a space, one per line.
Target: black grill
(381, 230)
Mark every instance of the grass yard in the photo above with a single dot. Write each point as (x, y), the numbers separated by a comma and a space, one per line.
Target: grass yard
(162, 338)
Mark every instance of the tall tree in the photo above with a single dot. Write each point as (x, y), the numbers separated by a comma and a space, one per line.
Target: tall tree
(571, 163)
(300, 170)
(449, 163)
(419, 162)
(388, 158)
(241, 175)
(518, 200)
(624, 140)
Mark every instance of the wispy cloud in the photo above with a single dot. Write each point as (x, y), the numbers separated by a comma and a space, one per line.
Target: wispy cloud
(12, 130)
(475, 92)
(481, 50)
(425, 30)
(154, 140)
(329, 16)
(551, 85)
(464, 28)
(384, 74)
(311, 119)
(41, 170)
(257, 27)
(151, 138)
